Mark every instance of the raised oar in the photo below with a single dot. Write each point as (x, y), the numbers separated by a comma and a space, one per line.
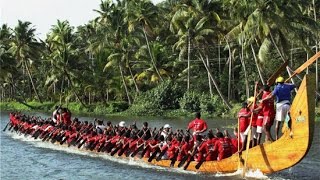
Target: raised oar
(249, 134)
(4, 129)
(305, 65)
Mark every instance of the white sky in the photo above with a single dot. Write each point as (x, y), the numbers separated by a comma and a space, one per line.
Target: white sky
(44, 13)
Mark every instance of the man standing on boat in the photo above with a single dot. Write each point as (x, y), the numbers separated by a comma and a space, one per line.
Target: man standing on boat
(267, 112)
(282, 92)
(198, 125)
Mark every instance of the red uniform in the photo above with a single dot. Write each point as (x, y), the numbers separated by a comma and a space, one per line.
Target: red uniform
(224, 148)
(254, 117)
(243, 121)
(268, 111)
(66, 118)
(198, 125)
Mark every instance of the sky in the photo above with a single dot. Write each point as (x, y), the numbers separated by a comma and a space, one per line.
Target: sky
(45, 13)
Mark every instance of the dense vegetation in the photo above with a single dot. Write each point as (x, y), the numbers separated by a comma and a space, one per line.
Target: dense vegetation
(179, 55)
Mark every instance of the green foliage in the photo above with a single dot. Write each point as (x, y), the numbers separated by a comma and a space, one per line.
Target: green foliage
(165, 96)
(28, 106)
(190, 102)
(194, 101)
(117, 107)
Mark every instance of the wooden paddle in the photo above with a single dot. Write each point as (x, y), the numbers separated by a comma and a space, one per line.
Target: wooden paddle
(203, 159)
(305, 65)
(140, 147)
(163, 152)
(5, 128)
(183, 160)
(154, 154)
(249, 133)
(123, 149)
(174, 158)
(115, 150)
(144, 151)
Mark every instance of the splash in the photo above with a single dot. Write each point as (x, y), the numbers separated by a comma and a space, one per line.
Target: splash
(128, 161)
(74, 150)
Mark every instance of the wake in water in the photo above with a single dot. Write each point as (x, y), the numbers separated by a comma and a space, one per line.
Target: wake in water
(129, 161)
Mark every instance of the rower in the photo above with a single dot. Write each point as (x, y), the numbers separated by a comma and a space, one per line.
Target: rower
(100, 126)
(198, 125)
(166, 130)
(55, 113)
(253, 122)
(282, 92)
(243, 116)
(267, 113)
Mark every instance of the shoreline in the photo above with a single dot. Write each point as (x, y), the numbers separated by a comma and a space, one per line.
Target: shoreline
(102, 110)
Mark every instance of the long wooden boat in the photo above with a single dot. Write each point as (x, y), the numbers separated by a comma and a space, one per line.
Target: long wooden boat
(281, 154)
(269, 157)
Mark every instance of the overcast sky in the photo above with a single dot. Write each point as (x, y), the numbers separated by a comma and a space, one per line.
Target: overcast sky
(44, 13)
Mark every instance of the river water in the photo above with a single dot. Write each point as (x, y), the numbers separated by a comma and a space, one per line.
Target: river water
(26, 158)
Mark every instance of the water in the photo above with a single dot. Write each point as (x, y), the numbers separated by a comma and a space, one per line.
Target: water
(26, 158)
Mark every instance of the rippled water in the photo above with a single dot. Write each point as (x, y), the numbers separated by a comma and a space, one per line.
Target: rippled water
(26, 158)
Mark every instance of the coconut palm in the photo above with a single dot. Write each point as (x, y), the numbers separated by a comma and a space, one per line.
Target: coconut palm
(25, 49)
(142, 15)
(64, 56)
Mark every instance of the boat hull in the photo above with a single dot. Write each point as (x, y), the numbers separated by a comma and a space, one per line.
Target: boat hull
(281, 154)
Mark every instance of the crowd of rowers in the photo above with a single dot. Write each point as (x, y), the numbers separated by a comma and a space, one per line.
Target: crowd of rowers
(129, 140)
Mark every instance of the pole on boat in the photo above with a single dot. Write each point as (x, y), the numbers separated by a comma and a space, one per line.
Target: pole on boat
(304, 65)
(249, 133)
(239, 156)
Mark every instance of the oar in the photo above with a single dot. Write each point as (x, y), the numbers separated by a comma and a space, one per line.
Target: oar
(183, 160)
(161, 154)
(6, 126)
(101, 146)
(144, 151)
(203, 159)
(115, 150)
(94, 145)
(305, 65)
(123, 149)
(174, 158)
(137, 150)
(249, 134)
(154, 154)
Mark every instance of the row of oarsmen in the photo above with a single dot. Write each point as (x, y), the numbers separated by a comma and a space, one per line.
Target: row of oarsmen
(120, 139)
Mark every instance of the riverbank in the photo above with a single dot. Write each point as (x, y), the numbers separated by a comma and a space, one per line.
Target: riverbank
(113, 109)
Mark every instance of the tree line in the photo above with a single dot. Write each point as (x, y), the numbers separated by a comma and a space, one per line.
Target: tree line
(215, 48)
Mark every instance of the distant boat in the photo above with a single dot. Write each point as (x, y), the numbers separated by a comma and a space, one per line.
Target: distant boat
(284, 153)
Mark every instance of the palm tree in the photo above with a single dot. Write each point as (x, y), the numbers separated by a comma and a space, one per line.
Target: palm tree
(25, 48)
(64, 55)
(143, 14)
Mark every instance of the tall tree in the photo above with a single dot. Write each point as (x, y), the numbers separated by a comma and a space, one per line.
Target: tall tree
(25, 49)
